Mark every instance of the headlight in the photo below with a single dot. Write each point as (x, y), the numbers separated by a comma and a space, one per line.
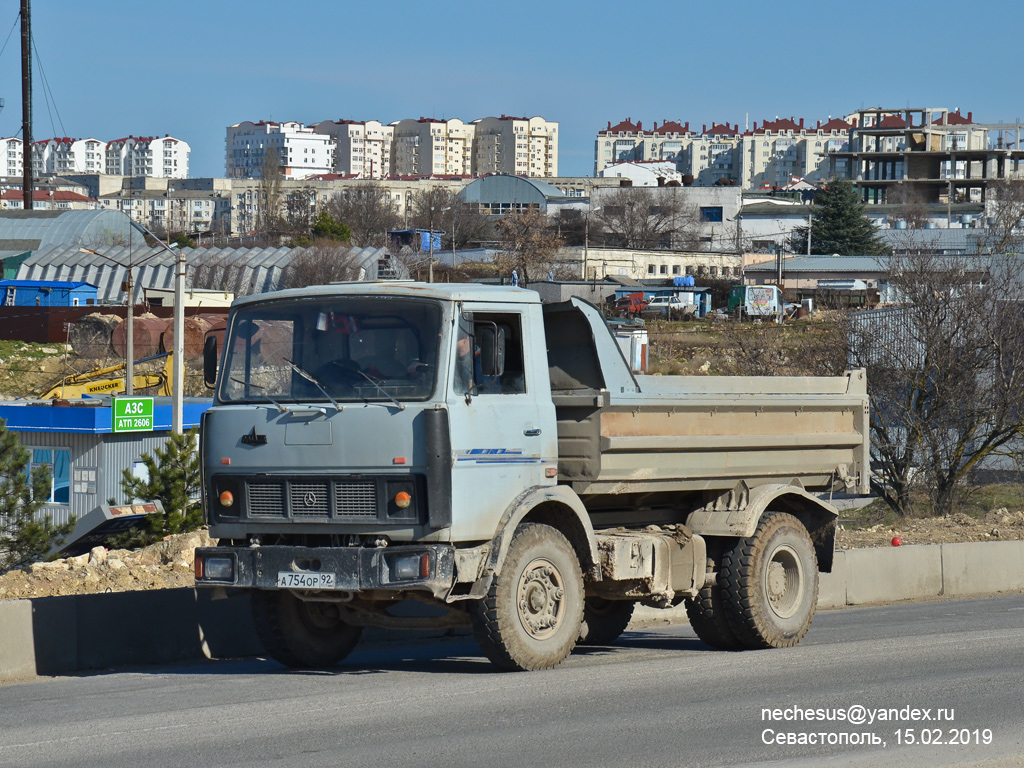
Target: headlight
(410, 567)
(219, 568)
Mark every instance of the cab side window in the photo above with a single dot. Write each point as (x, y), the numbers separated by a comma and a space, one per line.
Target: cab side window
(470, 366)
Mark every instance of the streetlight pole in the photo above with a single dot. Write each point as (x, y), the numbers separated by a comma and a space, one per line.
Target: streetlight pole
(178, 377)
(430, 224)
(430, 236)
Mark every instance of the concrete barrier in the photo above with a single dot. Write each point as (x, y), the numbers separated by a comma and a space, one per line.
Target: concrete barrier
(983, 567)
(65, 635)
(893, 573)
(17, 652)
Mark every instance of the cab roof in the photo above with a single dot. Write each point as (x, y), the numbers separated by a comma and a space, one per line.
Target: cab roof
(404, 289)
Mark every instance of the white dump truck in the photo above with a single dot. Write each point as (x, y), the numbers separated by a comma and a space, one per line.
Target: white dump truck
(467, 447)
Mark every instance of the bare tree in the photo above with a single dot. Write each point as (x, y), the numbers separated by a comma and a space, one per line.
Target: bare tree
(638, 217)
(528, 245)
(300, 208)
(368, 211)
(572, 226)
(463, 225)
(319, 264)
(1005, 233)
(945, 374)
(271, 198)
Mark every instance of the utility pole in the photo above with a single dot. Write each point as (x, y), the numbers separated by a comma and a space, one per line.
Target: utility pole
(810, 221)
(178, 377)
(26, 103)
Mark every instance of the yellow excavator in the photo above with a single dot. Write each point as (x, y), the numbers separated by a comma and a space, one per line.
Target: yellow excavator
(105, 381)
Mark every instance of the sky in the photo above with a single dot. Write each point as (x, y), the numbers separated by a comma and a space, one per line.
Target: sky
(190, 68)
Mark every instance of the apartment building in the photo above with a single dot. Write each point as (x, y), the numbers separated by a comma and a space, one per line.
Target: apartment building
(712, 156)
(297, 150)
(165, 208)
(777, 151)
(66, 155)
(246, 200)
(932, 154)
(517, 146)
(13, 156)
(427, 146)
(629, 142)
(361, 149)
(160, 157)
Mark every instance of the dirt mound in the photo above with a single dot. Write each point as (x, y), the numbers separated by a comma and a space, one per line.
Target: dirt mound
(165, 565)
(998, 525)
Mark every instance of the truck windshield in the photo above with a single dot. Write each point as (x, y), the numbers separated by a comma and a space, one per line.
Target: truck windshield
(346, 349)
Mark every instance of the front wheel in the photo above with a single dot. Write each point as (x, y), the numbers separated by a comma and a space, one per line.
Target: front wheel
(530, 618)
(770, 582)
(300, 633)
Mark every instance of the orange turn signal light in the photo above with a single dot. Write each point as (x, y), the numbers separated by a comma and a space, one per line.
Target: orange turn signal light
(402, 500)
(227, 498)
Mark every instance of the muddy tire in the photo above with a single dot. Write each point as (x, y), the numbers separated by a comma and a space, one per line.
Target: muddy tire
(604, 620)
(305, 635)
(770, 583)
(531, 617)
(707, 616)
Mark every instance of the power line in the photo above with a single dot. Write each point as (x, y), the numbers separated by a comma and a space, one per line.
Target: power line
(48, 93)
(15, 24)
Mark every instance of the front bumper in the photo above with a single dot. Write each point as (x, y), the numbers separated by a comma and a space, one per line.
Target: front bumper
(355, 569)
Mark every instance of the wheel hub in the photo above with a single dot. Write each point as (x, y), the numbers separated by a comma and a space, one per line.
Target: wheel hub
(783, 582)
(540, 599)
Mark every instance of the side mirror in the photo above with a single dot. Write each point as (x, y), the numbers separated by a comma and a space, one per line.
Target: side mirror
(210, 361)
(491, 339)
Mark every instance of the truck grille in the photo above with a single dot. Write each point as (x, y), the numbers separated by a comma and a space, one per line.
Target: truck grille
(312, 499)
(356, 499)
(266, 499)
(309, 499)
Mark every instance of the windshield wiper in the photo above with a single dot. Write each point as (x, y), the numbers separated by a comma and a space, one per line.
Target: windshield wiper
(251, 384)
(282, 408)
(309, 377)
(388, 395)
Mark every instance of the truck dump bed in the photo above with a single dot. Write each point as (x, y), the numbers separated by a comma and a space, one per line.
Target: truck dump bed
(622, 434)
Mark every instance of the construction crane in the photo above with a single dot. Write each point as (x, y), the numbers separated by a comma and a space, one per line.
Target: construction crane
(105, 381)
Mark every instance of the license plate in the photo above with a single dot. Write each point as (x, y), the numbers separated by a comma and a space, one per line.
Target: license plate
(294, 580)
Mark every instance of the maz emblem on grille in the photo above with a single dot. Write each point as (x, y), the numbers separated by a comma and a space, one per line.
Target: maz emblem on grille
(253, 438)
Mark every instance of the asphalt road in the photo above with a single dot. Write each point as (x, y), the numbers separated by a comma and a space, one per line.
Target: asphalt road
(658, 698)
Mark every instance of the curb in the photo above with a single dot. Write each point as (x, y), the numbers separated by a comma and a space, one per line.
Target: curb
(82, 633)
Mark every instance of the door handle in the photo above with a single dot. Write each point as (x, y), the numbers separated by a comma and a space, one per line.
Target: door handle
(531, 431)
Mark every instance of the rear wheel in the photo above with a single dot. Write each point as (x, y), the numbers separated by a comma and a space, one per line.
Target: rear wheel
(770, 581)
(604, 620)
(706, 613)
(530, 618)
(300, 633)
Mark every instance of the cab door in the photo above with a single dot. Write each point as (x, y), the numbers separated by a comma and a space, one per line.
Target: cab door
(502, 425)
